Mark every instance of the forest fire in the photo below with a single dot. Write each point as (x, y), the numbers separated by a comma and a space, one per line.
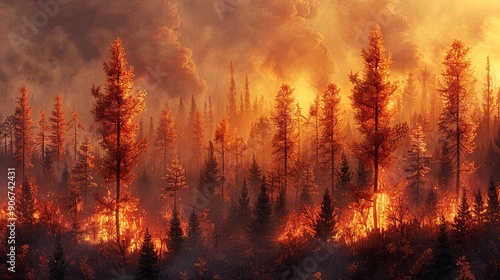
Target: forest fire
(262, 140)
(296, 227)
(100, 229)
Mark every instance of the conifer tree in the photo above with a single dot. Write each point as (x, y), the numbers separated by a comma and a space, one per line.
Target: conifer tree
(194, 231)
(164, 137)
(343, 181)
(43, 129)
(175, 180)
(57, 131)
(371, 96)
(27, 203)
(416, 161)
(222, 143)
(493, 209)
(442, 261)
(65, 177)
(457, 124)
(151, 131)
(280, 208)
(82, 174)
(181, 113)
(147, 259)
(409, 94)
(140, 130)
(324, 224)
(260, 230)
(197, 140)
(247, 104)
(330, 138)
(74, 200)
(47, 169)
(74, 124)
(7, 130)
(210, 122)
(244, 210)
(114, 112)
(488, 100)
(463, 219)
(260, 133)
(23, 132)
(305, 183)
(175, 235)
(314, 114)
(478, 207)
(209, 176)
(431, 205)
(492, 162)
(255, 175)
(193, 108)
(58, 263)
(180, 128)
(231, 97)
(283, 141)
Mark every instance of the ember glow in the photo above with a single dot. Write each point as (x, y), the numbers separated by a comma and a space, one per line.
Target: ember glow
(250, 139)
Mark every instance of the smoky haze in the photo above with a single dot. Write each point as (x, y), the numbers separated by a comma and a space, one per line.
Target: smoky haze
(183, 48)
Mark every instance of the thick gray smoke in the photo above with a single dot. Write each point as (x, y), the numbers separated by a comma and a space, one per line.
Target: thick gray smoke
(57, 47)
(271, 41)
(183, 47)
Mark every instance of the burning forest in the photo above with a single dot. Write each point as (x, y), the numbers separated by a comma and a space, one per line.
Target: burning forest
(248, 139)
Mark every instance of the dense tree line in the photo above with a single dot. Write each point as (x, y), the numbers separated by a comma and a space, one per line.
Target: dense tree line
(389, 215)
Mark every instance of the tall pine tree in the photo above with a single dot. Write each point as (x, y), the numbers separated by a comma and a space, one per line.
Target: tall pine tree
(197, 140)
(431, 206)
(462, 220)
(114, 112)
(74, 124)
(209, 175)
(57, 131)
(26, 207)
(488, 100)
(457, 125)
(324, 224)
(222, 143)
(260, 231)
(416, 161)
(330, 137)
(23, 132)
(164, 138)
(82, 174)
(284, 139)
(231, 97)
(442, 261)
(493, 209)
(478, 207)
(371, 96)
(58, 263)
(43, 131)
(244, 210)
(175, 235)
(194, 231)
(343, 181)
(175, 180)
(147, 260)
(255, 177)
